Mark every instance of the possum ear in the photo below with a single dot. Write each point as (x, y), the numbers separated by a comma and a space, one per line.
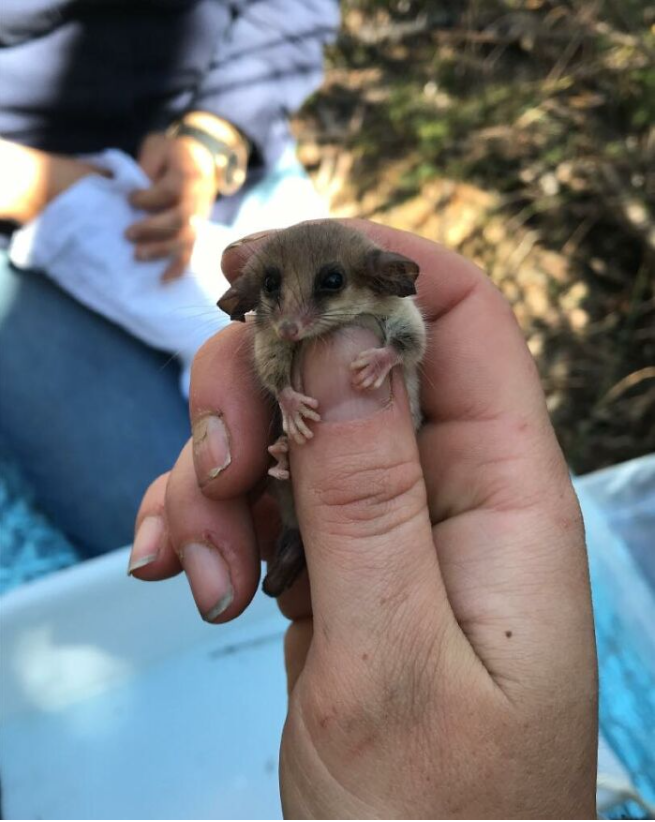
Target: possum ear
(390, 273)
(240, 299)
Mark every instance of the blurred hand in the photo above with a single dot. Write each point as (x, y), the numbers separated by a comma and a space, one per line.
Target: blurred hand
(31, 178)
(444, 664)
(183, 189)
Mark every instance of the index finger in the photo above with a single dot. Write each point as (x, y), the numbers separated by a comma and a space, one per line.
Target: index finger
(162, 194)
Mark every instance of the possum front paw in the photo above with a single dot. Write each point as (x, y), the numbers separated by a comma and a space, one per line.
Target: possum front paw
(296, 408)
(372, 367)
(280, 450)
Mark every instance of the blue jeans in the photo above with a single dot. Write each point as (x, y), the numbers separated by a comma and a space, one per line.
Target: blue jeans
(90, 414)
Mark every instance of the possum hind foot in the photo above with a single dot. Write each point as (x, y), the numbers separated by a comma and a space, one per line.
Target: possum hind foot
(280, 450)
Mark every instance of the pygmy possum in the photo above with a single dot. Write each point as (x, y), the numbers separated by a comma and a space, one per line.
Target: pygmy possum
(303, 283)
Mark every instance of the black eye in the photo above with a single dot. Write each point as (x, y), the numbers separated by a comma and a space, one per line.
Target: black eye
(330, 278)
(272, 280)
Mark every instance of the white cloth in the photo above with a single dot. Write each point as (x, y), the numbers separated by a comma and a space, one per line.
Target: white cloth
(78, 240)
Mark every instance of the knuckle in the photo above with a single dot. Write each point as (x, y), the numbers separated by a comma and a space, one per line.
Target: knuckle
(371, 501)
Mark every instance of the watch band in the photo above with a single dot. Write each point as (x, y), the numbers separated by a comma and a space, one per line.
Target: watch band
(230, 166)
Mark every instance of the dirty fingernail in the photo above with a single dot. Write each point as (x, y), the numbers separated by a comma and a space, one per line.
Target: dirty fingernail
(211, 447)
(327, 376)
(209, 578)
(148, 542)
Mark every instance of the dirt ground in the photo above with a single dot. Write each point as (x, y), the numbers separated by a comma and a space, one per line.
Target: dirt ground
(521, 134)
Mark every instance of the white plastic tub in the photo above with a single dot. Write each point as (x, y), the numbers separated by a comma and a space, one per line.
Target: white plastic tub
(118, 702)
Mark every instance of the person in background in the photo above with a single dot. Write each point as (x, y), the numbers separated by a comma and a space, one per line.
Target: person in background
(200, 92)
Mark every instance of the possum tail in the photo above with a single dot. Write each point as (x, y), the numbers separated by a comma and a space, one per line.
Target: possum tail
(286, 565)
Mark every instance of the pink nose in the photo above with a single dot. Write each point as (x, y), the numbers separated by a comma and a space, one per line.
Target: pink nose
(289, 330)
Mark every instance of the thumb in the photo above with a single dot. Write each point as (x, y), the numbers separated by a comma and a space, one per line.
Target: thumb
(360, 494)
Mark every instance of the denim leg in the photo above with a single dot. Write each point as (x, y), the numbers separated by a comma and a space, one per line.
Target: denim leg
(90, 414)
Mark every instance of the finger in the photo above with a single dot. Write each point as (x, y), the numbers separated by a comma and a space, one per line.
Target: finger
(178, 265)
(361, 500)
(296, 602)
(215, 541)
(230, 416)
(152, 556)
(162, 226)
(165, 193)
(160, 250)
(153, 155)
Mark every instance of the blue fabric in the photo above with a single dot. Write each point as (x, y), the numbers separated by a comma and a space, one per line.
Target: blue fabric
(90, 414)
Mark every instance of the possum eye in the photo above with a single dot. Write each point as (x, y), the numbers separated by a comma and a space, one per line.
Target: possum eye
(330, 278)
(272, 280)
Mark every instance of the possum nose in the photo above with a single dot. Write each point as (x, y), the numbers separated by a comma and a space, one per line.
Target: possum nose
(289, 330)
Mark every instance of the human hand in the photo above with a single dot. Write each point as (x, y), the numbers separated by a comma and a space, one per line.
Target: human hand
(31, 178)
(183, 189)
(444, 665)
